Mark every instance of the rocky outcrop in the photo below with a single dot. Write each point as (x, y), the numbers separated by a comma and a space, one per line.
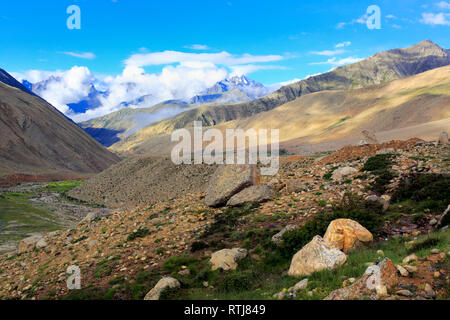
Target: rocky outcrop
(375, 283)
(227, 259)
(229, 180)
(30, 243)
(443, 138)
(162, 285)
(340, 173)
(315, 256)
(346, 234)
(367, 137)
(250, 195)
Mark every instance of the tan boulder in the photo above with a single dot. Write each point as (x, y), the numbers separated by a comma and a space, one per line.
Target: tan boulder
(162, 285)
(346, 234)
(227, 259)
(315, 256)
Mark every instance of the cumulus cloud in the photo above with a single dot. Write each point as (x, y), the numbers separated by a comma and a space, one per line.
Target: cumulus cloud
(436, 19)
(60, 88)
(182, 76)
(82, 55)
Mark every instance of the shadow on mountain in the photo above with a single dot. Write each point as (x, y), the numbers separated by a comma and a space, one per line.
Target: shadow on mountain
(106, 137)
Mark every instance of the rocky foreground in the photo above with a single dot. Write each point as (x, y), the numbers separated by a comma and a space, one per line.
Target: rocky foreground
(367, 222)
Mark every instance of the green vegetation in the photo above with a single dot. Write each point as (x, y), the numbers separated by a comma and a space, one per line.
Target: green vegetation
(327, 176)
(367, 213)
(20, 216)
(140, 233)
(381, 166)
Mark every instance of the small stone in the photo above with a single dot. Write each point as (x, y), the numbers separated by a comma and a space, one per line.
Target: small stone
(429, 292)
(381, 292)
(403, 272)
(433, 222)
(404, 293)
(412, 257)
(299, 286)
(435, 251)
(411, 269)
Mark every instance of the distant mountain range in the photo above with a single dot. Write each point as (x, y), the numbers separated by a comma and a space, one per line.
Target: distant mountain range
(112, 127)
(380, 68)
(38, 139)
(231, 90)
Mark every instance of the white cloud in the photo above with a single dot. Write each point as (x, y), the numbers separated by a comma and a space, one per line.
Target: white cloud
(197, 47)
(82, 55)
(360, 20)
(337, 62)
(183, 75)
(436, 19)
(329, 52)
(343, 44)
(443, 5)
(222, 58)
(60, 88)
(250, 68)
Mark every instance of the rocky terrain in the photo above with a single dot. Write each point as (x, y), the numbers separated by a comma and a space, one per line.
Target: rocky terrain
(366, 222)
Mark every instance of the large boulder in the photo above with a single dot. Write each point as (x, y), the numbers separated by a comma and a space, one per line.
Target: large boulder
(374, 283)
(367, 137)
(227, 259)
(162, 285)
(29, 243)
(315, 256)
(340, 173)
(250, 195)
(346, 234)
(443, 138)
(229, 180)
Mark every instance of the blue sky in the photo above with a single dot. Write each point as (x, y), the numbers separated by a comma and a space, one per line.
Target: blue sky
(34, 33)
(283, 39)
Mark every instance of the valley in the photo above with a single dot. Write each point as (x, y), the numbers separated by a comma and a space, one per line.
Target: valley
(36, 208)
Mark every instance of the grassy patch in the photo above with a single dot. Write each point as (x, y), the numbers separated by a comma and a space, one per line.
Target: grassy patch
(140, 233)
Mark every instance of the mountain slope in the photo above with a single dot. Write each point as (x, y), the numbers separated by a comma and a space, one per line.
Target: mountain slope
(380, 68)
(334, 114)
(114, 126)
(38, 139)
(8, 79)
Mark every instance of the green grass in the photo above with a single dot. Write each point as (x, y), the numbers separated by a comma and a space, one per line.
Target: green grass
(20, 217)
(61, 186)
(253, 281)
